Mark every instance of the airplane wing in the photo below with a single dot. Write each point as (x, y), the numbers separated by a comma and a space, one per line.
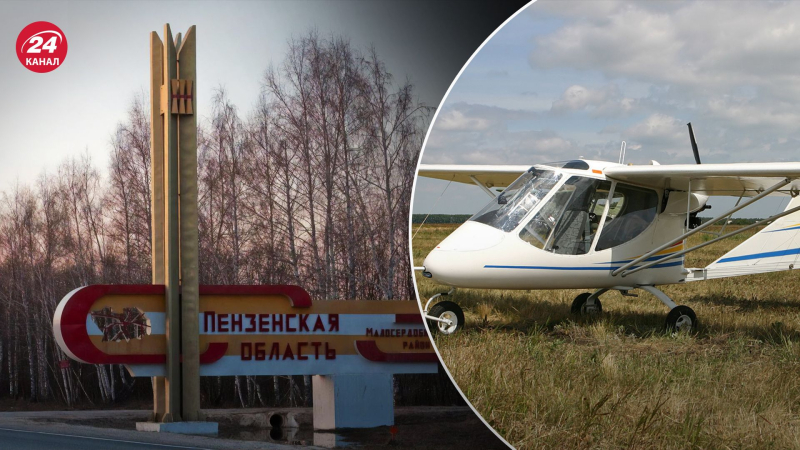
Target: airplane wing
(711, 179)
(773, 249)
(490, 176)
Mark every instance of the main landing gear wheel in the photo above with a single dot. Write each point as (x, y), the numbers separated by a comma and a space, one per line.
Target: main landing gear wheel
(681, 319)
(582, 307)
(448, 311)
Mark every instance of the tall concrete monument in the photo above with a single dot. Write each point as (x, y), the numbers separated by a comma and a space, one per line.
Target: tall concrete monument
(173, 153)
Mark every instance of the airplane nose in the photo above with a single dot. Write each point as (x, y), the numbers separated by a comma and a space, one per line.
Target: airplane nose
(436, 265)
(471, 236)
(457, 260)
(462, 269)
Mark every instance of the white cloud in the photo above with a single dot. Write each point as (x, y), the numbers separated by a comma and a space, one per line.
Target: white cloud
(606, 71)
(550, 144)
(630, 41)
(656, 126)
(455, 120)
(754, 113)
(577, 98)
(701, 44)
(732, 68)
(594, 8)
(476, 117)
(639, 71)
(605, 101)
(496, 146)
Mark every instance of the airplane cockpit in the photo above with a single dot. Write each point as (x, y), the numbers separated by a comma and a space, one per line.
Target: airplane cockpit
(565, 213)
(529, 234)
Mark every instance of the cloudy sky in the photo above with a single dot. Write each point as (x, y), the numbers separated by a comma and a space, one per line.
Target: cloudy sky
(565, 79)
(74, 110)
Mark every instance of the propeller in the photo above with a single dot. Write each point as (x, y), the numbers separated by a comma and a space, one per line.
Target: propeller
(694, 143)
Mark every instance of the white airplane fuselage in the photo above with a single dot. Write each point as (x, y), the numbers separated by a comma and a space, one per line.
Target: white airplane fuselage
(477, 255)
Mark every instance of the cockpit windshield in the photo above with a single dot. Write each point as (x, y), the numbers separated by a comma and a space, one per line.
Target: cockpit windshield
(510, 207)
(567, 223)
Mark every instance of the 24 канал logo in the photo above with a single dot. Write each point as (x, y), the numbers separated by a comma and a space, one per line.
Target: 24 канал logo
(41, 47)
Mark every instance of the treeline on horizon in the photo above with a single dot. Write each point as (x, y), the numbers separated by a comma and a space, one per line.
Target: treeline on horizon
(439, 218)
(312, 187)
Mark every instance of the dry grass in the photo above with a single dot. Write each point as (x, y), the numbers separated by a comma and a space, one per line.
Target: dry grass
(545, 379)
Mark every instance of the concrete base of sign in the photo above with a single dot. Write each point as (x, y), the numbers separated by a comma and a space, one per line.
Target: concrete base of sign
(201, 428)
(330, 440)
(353, 401)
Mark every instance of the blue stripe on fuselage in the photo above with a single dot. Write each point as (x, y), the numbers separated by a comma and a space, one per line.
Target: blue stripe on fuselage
(657, 266)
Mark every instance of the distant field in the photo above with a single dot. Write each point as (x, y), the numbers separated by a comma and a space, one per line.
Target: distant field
(546, 379)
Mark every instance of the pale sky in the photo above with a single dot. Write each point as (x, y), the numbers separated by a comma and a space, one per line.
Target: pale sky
(45, 118)
(566, 79)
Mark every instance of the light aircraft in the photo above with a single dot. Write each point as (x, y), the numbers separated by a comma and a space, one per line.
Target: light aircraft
(585, 224)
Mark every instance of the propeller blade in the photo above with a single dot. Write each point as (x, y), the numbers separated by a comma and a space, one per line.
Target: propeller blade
(694, 144)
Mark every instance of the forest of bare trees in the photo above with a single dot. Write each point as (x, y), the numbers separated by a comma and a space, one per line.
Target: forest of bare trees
(312, 187)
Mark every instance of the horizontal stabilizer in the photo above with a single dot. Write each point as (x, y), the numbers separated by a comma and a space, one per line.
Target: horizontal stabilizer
(773, 249)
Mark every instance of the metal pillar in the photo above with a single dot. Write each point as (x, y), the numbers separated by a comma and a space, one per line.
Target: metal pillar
(174, 219)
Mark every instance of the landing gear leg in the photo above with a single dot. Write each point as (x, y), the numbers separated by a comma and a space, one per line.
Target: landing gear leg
(681, 318)
(445, 317)
(587, 304)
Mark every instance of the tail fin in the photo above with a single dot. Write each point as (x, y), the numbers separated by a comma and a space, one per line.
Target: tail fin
(773, 249)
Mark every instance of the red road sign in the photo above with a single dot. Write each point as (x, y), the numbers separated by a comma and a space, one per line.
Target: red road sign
(246, 330)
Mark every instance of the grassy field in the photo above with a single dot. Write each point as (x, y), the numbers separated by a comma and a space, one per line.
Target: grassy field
(546, 379)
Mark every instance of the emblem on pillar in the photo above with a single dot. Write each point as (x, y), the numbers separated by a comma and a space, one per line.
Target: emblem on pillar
(182, 97)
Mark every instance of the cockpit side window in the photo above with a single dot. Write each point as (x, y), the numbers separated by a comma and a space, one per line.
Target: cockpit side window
(631, 211)
(567, 223)
(507, 210)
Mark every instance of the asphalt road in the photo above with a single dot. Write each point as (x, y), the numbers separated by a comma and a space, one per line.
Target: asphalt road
(12, 439)
(418, 428)
(90, 430)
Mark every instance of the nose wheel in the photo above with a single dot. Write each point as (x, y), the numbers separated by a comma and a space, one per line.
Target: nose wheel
(445, 317)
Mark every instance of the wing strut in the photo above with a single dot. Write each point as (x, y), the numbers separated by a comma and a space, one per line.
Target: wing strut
(483, 186)
(647, 255)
